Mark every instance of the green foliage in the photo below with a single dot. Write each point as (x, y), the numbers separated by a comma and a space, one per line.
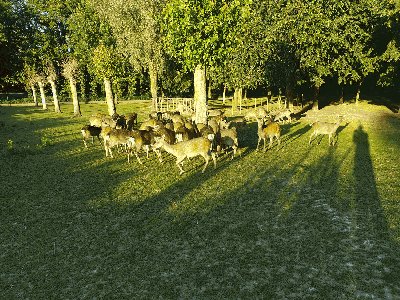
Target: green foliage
(106, 62)
(201, 32)
(242, 43)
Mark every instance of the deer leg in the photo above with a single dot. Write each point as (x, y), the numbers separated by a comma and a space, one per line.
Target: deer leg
(206, 158)
(311, 136)
(258, 143)
(138, 158)
(179, 161)
(158, 152)
(214, 158)
(109, 150)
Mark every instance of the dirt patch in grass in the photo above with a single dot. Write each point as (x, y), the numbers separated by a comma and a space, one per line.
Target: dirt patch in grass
(363, 112)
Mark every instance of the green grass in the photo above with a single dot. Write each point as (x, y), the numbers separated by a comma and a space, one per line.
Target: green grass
(295, 222)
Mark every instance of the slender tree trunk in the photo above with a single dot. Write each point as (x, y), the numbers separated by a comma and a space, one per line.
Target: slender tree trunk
(209, 91)
(269, 97)
(240, 98)
(34, 95)
(153, 84)
(224, 94)
(74, 94)
(55, 98)
(341, 96)
(237, 99)
(289, 94)
(42, 95)
(109, 97)
(82, 85)
(280, 99)
(315, 98)
(358, 93)
(200, 94)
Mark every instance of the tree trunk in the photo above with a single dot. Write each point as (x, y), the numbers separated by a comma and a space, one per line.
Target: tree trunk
(358, 93)
(341, 96)
(269, 97)
(109, 97)
(153, 84)
(82, 85)
(74, 94)
(280, 99)
(55, 98)
(315, 98)
(209, 91)
(289, 94)
(34, 95)
(42, 95)
(200, 94)
(224, 94)
(240, 98)
(237, 99)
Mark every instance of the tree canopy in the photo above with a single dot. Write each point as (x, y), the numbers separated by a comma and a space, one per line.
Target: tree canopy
(241, 43)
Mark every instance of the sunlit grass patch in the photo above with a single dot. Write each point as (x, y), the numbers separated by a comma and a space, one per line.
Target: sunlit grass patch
(297, 221)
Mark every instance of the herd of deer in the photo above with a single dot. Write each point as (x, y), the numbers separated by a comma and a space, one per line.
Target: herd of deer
(183, 138)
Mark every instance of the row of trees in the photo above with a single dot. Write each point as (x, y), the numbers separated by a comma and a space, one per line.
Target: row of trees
(168, 44)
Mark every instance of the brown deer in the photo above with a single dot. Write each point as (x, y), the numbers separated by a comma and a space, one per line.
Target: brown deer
(188, 149)
(271, 130)
(329, 129)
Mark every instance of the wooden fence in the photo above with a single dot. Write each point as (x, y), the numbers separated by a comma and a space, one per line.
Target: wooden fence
(183, 105)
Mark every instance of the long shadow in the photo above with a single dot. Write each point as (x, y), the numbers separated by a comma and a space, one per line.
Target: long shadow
(254, 228)
(283, 233)
(373, 251)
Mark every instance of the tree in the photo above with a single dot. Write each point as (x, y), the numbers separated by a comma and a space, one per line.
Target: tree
(136, 30)
(389, 60)
(71, 72)
(51, 78)
(85, 31)
(105, 61)
(352, 33)
(196, 34)
(30, 77)
(41, 82)
(16, 33)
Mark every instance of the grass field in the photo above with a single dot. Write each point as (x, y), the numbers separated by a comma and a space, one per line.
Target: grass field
(299, 221)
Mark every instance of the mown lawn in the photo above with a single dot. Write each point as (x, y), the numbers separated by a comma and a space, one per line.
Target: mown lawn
(295, 222)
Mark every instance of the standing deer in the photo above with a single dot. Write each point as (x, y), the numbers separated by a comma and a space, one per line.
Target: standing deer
(271, 130)
(325, 128)
(188, 149)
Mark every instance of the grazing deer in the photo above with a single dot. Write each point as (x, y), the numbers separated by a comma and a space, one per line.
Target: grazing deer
(90, 131)
(271, 130)
(131, 120)
(325, 128)
(102, 121)
(228, 139)
(143, 139)
(116, 137)
(188, 149)
(280, 117)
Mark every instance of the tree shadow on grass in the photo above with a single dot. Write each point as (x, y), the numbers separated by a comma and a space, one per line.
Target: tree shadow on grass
(258, 227)
(298, 232)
